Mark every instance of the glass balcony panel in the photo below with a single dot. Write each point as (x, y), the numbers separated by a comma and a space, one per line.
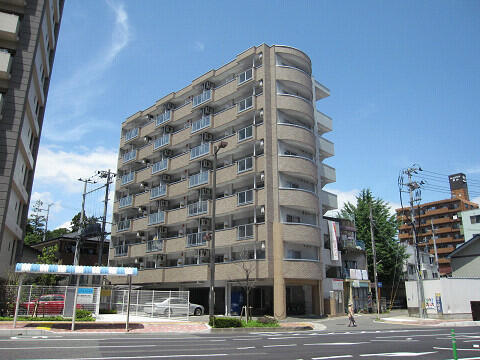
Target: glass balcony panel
(197, 239)
(156, 218)
(199, 150)
(161, 141)
(160, 166)
(154, 245)
(125, 201)
(202, 123)
(198, 179)
(129, 155)
(162, 118)
(245, 231)
(157, 191)
(123, 225)
(121, 250)
(129, 135)
(198, 208)
(203, 97)
(128, 178)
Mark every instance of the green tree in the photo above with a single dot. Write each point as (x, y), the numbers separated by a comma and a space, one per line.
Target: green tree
(35, 225)
(52, 234)
(49, 255)
(390, 254)
(86, 220)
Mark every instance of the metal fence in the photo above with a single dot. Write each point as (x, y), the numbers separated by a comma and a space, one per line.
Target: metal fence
(48, 300)
(152, 303)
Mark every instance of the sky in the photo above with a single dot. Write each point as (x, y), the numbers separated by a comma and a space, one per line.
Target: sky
(404, 79)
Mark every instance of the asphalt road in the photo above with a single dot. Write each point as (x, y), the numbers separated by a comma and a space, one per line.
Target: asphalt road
(399, 343)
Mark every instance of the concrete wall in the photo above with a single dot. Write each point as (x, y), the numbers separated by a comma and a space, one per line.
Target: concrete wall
(467, 262)
(455, 295)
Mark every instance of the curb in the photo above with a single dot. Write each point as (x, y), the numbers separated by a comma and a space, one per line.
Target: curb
(24, 332)
(263, 329)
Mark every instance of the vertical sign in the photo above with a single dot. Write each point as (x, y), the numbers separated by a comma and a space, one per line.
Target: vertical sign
(332, 229)
(438, 301)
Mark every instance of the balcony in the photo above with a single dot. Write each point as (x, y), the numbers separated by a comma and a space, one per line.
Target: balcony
(297, 135)
(245, 104)
(294, 103)
(163, 118)
(328, 201)
(224, 117)
(128, 156)
(321, 91)
(5, 65)
(9, 26)
(125, 201)
(121, 250)
(203, 123)
(198, 208)
(123, 225)
(156, 218)
(160, 166)
(245, 197)
(200, 150)
(351, 244)
(324, 122)
(328, 174)
(198, 179)
(326, 148)
(154, 245)
(202, 98)
(161, 141)
(157, 191)
(127, 178)
(131, 134)
(295, 166)
(197, 239)
(245, 231)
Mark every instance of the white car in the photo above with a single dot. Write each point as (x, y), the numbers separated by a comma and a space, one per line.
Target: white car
(173, 306)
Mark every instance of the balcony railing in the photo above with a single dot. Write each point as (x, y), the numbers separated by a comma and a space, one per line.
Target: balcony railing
(198, 208)
(161, 141)
(353, 244)
(128, 178)
(199, 150)
(245, 104)
(129, 155)
(154, 245)
(198, 179)
(157, 191)
(123, 225)
(125, 201)
(244, 231)
(129, 135)
(203, 97)
(160, 166)
(121, 250)
(204, 122)
(162, 118)
(197, 239)
(245, 197)
(156, 218)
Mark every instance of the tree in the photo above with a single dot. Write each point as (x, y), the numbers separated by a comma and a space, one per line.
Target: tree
(390, 254)
(76, 226)
(49, 255)
(35, 225)
(247, 268)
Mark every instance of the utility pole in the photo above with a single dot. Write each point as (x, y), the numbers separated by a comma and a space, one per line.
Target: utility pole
(374, 253)
(435, 246)
(109, 176)
(82, 225)
(46, 220)
(414, 186)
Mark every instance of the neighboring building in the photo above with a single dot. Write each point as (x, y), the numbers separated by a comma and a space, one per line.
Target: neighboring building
(346, 279)
(29, 254)
(465, 259)
(28, 39)
(427, 264)
(470, 223)
(446, 222)
(269, 198)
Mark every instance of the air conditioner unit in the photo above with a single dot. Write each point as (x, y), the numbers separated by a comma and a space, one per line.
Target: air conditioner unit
(162, 230)
(140, 233)
(262, 176)
(262, 210)
(167, 129)
(147, 139)
(207, 137)
(204, 221)
(182, 203)
(207, 85)
(206, 164)
(165, 177)
(142, 208)
(207, 110)
(144, 185)
(260, 113)
(145, 161)
(169, 106)
(205, 191)
(179, 262)
(163, 204)
(260, 83)
(167, 152)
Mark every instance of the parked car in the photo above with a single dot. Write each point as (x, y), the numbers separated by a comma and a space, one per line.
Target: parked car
(173, 306)
(46, 304)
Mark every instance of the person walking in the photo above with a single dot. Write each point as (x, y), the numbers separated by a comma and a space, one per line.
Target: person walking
(351, 314)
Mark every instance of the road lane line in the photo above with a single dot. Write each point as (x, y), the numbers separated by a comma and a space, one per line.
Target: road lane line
(289, 337)
(279, 345)
(440, 348)
(75, 347)
(336, 344)
(401, 354)
(332, 357)
(140, 357)
(246, 347)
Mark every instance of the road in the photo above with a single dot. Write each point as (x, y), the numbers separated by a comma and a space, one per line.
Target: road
(396, 343)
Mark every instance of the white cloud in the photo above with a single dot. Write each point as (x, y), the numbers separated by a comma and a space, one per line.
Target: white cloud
(476, 200)
(66, 225)
(199, 46)
(46, 198)
(62, 168)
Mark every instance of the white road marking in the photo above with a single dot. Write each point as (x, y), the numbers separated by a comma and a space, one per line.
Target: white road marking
(390, 340)
(341, 343)
(144, 357)
(289, 337)
(246, 339)
(476, 345)
(75, 347)
(332, 357)
(279, 345)
(219, 340)
(246, 347)
(440, 348)
(398, 354)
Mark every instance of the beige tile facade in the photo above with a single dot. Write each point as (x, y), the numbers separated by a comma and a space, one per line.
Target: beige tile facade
(268, 203)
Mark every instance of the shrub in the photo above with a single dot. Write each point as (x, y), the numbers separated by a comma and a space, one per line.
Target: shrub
(267, 320)
(256, 324)
(225, 322)
(84, 315)
(108, 311)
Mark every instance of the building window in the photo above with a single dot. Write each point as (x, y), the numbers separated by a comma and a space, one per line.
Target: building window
(245, 104)
(245, 76)
(245, 164)
(293, 219)
(475, 219)
(245, 197)
(245, 133)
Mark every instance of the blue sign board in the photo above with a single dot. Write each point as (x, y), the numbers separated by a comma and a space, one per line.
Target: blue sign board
(379, 284)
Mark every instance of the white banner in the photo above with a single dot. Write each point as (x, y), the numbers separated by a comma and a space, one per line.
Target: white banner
(364, 275)
(332, 229)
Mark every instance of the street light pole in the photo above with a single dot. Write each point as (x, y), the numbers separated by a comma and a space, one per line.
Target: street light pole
(374, 253)
(211, 298)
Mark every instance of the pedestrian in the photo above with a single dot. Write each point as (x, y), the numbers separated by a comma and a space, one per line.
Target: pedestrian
(351, 315)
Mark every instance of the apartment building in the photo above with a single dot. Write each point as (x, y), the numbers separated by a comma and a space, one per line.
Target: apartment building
(269, 180)
(444, 216)
(470, 223)
(28, 38)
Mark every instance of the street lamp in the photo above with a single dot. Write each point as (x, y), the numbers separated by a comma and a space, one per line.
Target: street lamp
(211, 298)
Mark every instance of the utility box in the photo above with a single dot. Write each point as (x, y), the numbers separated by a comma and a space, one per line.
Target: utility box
(475, 306)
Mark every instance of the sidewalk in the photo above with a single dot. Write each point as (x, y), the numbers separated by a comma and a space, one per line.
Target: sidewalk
(406, 320)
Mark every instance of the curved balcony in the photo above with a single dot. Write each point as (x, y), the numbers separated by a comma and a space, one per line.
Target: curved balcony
(296, 134)
(298, 269)
(290, 102)
(298, 199)
(288, 51)
(295, 166)
(294, 75)
(302, 234)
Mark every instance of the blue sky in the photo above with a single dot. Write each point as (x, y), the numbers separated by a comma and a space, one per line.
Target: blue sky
(404, 79)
